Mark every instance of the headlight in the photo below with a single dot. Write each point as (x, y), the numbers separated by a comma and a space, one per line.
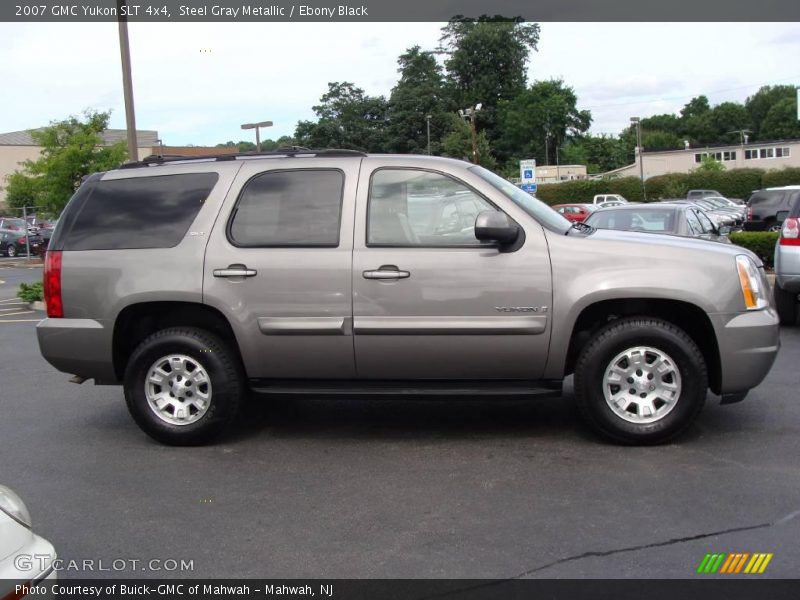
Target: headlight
(14, 507)
(753, 289)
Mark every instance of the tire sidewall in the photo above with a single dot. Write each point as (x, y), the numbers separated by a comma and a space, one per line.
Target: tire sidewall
(208, 351)
(694, 381)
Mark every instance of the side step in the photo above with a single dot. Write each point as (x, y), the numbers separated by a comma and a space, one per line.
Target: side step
(551, 389)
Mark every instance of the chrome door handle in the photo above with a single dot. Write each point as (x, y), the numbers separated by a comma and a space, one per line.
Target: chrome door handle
(386, 272)
(235, 271)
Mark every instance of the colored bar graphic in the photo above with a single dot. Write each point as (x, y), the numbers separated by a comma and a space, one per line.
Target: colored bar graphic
(723, 563)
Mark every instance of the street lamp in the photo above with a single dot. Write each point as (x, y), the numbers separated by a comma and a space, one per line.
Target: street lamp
(637, 122)
(469, 114)
(257, 127)
(428, 123)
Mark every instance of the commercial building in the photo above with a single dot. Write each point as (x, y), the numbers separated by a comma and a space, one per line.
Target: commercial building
(18, 146)
(762, 155)
(559, 173)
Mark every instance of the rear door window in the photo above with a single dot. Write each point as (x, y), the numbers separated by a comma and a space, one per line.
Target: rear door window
(133, 213)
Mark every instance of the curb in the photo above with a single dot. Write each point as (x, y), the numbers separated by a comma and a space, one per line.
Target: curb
(37, 305)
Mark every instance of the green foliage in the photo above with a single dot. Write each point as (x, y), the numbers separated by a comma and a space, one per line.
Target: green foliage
(781, 121)
(539, 120)
(759, 104)
(779, 177)
(71, 149)
(710, 165)
(30, 292)
(733, 183)
(486, 60)
(762, 243)
(458, 143)
(419, 92)
(584, 190)
(348, 118)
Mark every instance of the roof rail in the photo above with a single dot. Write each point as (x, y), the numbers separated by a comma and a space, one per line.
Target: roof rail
(291, 151)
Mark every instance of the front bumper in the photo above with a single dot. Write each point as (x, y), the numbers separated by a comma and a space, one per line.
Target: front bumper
(78, 346)
(748, 344)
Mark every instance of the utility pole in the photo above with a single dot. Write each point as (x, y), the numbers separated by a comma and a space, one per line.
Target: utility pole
(428, 122)
(257, 127)
(470, 114)
(127, 82)
(638, 123)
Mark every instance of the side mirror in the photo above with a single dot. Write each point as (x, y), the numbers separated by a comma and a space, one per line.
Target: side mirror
(724, 230)
(494, 226)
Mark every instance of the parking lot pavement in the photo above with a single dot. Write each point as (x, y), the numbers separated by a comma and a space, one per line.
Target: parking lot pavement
(313, 487)
(12, 309)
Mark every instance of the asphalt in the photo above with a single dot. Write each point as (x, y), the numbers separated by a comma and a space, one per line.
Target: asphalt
(375, 488)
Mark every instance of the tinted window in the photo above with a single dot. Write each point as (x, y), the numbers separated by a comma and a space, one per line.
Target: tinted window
(140, 212)
(289, 208)
(767, 198)
(418, 208)
(652, 220)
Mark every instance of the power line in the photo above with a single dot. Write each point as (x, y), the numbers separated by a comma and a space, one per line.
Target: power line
(688, 96)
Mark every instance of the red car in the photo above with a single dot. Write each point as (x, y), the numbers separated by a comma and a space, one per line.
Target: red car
(576, 213)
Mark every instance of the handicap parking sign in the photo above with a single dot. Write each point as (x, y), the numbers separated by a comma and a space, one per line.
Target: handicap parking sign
(528, 174)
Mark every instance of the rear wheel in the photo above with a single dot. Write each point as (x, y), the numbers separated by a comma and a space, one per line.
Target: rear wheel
(640, 381)
(11, 250)
(184, 386)
(787, 305)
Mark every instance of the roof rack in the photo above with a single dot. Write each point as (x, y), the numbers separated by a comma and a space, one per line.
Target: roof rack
(291, 151)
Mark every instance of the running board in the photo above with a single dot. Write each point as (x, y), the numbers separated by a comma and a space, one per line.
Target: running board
(551, 389)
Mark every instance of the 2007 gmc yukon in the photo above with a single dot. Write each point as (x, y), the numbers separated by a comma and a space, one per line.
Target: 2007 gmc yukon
(193, 282)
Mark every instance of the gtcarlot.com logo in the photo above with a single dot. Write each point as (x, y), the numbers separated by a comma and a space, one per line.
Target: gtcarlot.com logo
(735, 563)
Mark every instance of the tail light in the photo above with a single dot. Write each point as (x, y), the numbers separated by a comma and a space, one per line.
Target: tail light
(52, 284)
(748, 214)
(790, 232)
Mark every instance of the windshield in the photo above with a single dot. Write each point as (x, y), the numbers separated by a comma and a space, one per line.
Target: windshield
(531, 205)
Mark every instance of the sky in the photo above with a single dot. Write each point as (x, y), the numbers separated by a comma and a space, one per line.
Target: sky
(196, 83)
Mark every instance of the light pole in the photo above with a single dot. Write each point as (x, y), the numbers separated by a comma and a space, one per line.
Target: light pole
(127, 82)
(469, 114)
(638, 123)
(428, 123)
(257, 127)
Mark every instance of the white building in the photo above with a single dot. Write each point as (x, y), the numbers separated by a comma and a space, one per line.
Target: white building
(762, 155)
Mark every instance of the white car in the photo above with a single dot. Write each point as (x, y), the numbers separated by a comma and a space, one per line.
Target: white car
(25, 558)
(600, 198)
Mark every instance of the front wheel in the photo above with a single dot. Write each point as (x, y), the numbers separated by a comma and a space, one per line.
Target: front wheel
(640, 381)
(184, 386)
(11, 251)
(787, 305)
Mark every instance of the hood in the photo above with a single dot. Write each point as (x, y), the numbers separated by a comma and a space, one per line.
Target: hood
(659, 243)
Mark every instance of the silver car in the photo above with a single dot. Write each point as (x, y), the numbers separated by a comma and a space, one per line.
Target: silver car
(787, 266)
(192, 282)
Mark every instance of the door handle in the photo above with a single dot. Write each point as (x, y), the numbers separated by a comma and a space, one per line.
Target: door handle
(235, 271)
(386, 272)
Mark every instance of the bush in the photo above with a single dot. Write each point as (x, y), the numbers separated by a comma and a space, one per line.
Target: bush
(30, 292)
(784, 176)
(762, 243)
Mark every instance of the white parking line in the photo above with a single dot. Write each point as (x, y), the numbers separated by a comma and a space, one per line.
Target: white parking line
(12, 307)
(24, 312)
(9, 300)
(20, 321)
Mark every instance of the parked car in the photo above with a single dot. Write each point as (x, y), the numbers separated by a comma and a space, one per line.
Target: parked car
(12, 243)
(575, 213)
(763, 207)
(698, 194)
(674, 219)
(787, 266)
(308, 271)
(608, 203)
(721, 217)
(25, 558)
(12, 224)
(608, 198)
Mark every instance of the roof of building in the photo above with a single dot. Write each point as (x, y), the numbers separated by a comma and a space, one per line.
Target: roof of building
(144, 138)
(738, 146)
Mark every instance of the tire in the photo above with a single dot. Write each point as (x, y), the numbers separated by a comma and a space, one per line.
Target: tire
(679, 388)
(787, 305)
(772, 226)
(201, 386)
(11, 251)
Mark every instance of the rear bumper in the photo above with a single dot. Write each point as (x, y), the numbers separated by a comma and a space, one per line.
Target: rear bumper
(787, 268)
(748, 344)
(78, 346)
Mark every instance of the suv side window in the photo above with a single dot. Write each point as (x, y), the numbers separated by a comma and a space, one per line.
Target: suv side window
(411, 207)
(301, 207)
(133, 213)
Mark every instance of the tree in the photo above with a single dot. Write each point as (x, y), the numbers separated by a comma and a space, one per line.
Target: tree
(539, 120)
(347, 118)
(458, 143)
(781, 123)
(486, 60)
(726, 121)
(710, 165)
(760, 103)
(71, 149)
(599, 153)
(418, 93)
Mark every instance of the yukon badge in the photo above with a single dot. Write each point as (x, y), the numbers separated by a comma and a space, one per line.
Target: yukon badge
(508, 309)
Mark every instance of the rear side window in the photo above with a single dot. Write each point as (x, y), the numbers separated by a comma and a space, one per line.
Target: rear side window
(289, 208)
(135, 213)
(767, 198)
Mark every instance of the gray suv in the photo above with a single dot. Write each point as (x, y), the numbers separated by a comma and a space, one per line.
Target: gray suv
(787, 262)
(193, 282)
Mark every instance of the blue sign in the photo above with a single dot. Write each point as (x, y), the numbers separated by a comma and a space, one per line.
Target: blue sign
(528, 187)
(527, 174)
